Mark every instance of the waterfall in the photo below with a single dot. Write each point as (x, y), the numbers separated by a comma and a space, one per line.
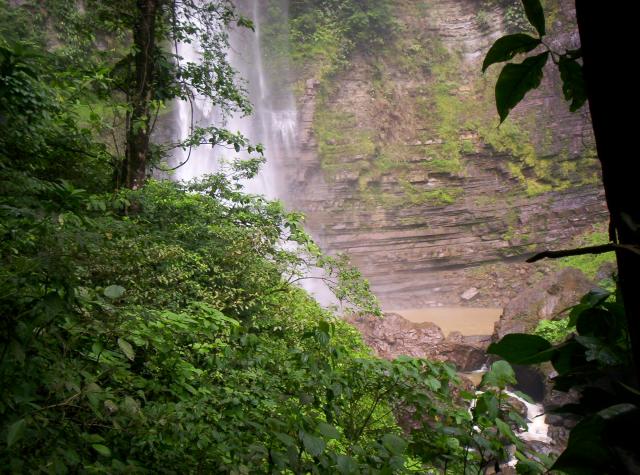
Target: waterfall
(273, 123)
(537, 427)
(274, 119)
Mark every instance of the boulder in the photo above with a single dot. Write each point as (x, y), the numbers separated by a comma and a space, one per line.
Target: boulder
(544, 301)
(392, 336)
(469, 293)
(464, 357)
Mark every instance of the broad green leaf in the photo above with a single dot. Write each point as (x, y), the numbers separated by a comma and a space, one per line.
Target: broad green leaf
(599, 350)
(487, 405)
(286, 439)
(328, 431)
(535, 15)
(506, 431)
(519, 348)
(524, 396)
(126, 348)
(15, 432)
(114, 292)
(573, 85)
(394, 444)
(594, 322)
(516, 80)
(586, 452)
(529, 467)
(312, 444)
(617, 410)
(347, 465)
(518, 419)
(102, 450)
(500, 375)
(507, 47)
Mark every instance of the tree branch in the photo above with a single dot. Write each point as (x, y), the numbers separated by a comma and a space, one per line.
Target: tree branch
(601, 249)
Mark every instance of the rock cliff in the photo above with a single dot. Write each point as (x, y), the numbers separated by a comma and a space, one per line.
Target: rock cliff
(402, 166)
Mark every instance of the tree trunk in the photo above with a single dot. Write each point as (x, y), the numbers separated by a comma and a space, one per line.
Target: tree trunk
(134, 167)
(608, 55)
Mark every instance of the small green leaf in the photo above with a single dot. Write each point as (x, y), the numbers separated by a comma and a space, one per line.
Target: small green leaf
(500, 375)
(102, 450)
(328, 431)
(15, 432)
(312, 444)
(114, 292)
(507, 47)
(516, 80)
(573, 85)
(126, 348)
(535, 15)
(394, 444)
(519, 348)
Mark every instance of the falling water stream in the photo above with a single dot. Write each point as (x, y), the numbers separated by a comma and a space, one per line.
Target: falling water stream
(273, 122)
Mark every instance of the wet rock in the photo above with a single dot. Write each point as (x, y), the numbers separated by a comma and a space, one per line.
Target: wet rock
(464, 357)
(393, 335)
(543, 301)
(606, 270)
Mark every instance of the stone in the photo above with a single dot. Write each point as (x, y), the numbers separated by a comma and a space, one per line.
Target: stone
(543, 301)
(469, 293)
(392, 336)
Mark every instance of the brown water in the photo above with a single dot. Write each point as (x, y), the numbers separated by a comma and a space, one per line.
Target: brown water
(468, 321)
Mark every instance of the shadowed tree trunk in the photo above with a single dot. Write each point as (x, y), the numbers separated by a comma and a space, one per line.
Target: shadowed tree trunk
(608, 55)
(134, 167)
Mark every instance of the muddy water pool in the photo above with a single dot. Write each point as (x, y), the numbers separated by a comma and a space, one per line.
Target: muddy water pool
(466, 320)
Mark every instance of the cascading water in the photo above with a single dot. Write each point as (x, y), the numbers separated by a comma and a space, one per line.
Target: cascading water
(537, 428)
(273, 122)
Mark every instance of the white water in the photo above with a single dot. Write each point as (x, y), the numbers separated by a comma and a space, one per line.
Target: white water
(537, 428)
(273, 123)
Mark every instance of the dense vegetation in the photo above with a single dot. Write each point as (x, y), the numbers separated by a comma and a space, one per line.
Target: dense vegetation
(155, 327)
(599, 359)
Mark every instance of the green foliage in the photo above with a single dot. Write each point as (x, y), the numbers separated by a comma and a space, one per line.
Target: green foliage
(554, 331)
(595, 361)
(157, 330)
(521, 348)
(535, 15)
(573, 85)
(591, 264)
(516, 80)
(507, 47)
(349, 25)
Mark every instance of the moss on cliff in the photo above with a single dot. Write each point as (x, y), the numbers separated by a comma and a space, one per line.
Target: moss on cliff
(427, 112)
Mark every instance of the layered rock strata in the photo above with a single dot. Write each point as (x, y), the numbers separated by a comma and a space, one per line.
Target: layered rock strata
(401, 164)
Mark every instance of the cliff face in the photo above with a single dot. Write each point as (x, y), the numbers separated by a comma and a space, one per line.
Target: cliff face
(401, 164)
